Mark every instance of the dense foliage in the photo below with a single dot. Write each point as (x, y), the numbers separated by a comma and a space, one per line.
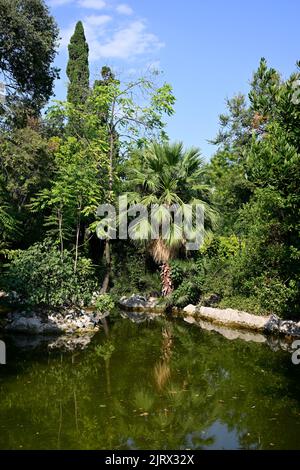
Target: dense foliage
(256, 175)
(43, 275)
(167, 176)
(108, 139)
(28, 37)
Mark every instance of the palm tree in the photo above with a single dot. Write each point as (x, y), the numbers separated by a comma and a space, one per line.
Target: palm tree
(165, 176)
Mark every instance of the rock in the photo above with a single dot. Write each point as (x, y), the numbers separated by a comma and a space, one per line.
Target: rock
(272, 325)
(233, 318)
(52, 323)
(190, 309)
(275, 343)
(289, 328)
(139, 317)
(238, 319)
(97, 317)
(29, 325)
(139, 303)
(228, 333)
(68, 343)
(51, 329)
(153, 302)
(190, 319)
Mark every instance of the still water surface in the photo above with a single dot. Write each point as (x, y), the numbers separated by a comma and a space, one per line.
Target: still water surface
(158, 385)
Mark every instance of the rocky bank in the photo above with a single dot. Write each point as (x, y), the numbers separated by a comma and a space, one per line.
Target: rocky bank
(41, 322)
(269, 325)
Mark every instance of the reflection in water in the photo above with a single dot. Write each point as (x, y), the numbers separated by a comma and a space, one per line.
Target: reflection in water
(105, 351)
(157, 385)
(162, 373)
(162, 370)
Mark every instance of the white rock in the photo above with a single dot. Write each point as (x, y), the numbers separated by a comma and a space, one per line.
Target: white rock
(190, 309)
(234, 318)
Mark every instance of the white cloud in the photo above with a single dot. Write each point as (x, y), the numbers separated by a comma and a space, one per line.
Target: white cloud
(92, 4)
(124, 9)
(94, 28)
(97, 20)
(58, 3)
(126, 43)
(66, 34)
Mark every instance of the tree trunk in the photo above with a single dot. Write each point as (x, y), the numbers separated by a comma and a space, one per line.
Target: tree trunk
(61, 240)
(167, 287)
(105, 283)
(77, 237)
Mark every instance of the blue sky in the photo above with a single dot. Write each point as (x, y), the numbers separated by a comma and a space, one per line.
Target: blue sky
(207, 49)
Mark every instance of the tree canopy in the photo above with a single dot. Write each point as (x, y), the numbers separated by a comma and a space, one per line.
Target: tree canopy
(28, 42)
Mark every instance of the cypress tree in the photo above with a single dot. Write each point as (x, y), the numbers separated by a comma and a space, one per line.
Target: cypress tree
(78, 67)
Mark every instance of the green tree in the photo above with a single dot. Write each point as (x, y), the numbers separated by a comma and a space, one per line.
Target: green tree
(74, 194)
(78, 67)
(117, 117)
(256, 183)
(8, 225)
(263, 95)
(28, 38)
(166, 176)
(27, 165)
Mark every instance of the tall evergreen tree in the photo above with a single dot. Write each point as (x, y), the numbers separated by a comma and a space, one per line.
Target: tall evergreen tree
(78, 67)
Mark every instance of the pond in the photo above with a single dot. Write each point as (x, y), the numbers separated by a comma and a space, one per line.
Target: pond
(154, 385)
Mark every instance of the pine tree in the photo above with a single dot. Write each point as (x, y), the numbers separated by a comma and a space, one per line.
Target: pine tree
(78, 67)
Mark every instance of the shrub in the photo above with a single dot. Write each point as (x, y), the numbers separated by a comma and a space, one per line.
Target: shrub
(186, 293)
(274, 296)
(222, 247)
(104, 303)
(133, 271)
(40, 275)
(187, 278)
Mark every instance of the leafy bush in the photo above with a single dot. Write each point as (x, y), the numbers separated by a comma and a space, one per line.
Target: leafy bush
(177, 273)
(104, 303)
(186, 293)
(133, 271)
(275, 296)
(241, 302)
(187, 278)
(246, 282)
(40, 275)
(222, 247)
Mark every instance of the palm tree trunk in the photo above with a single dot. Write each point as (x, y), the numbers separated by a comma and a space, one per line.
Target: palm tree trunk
(166, 278)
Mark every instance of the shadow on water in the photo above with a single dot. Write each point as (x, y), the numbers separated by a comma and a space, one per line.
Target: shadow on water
(154, 385)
